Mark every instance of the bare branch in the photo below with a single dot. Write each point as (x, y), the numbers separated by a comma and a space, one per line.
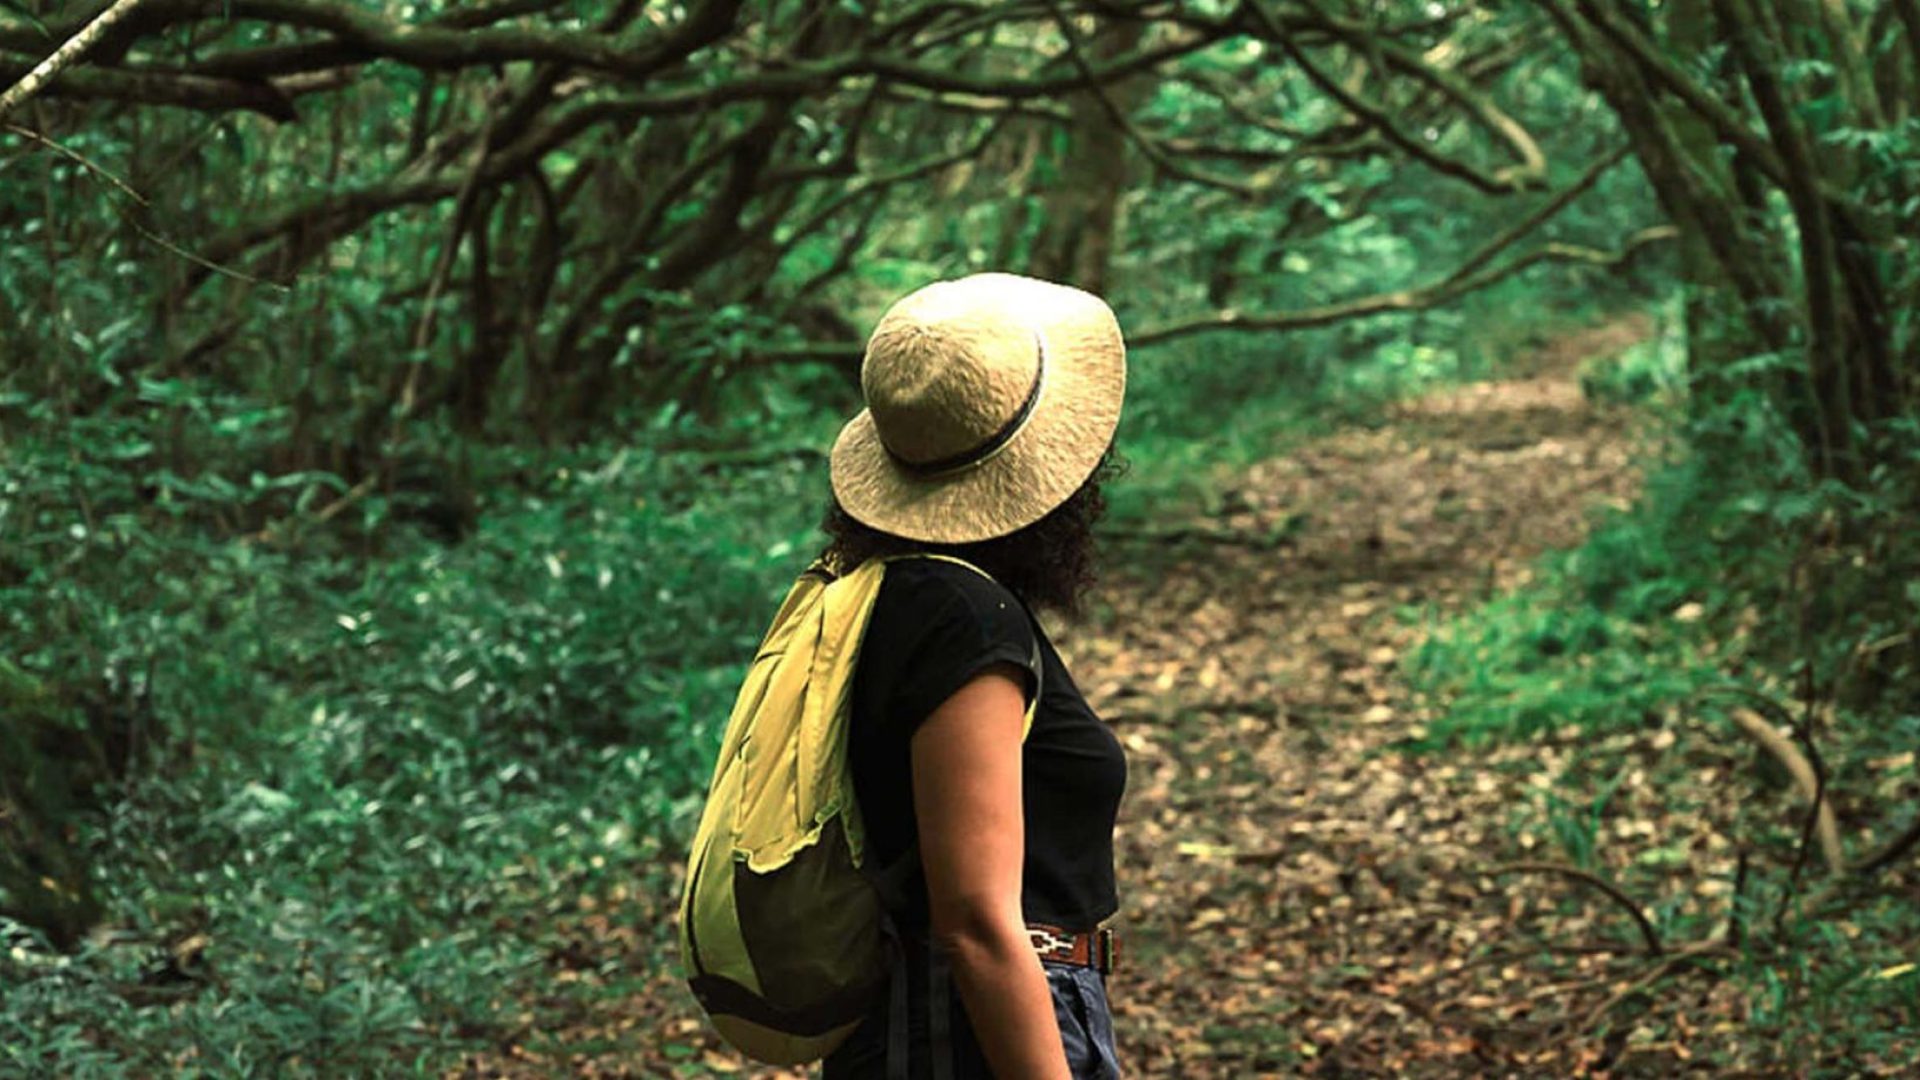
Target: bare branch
(65, 55)
(977, 105)
(1532, 168)
(1452, 287)
(1612, 891)
(361, 33)
(157, 88)
(1770, 739)
(101, 173)
(1546, 212)
(78, 158)
(1499, 182)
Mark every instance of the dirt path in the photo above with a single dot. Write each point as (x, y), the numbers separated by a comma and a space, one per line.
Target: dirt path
(1294, 892)
(1297, 897)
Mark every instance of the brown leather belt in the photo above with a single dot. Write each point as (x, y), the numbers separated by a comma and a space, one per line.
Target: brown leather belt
(1096, 949)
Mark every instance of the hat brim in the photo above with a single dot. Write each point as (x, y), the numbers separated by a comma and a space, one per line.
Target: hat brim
(1072, 425)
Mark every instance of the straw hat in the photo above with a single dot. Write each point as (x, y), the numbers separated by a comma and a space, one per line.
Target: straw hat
(990, 400)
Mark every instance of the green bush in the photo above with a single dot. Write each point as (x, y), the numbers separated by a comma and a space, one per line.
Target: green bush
(1652, 372)
(338, 796)
(1734, 574)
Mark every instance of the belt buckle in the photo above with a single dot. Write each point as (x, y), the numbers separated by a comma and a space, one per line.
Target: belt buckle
(1106, 950)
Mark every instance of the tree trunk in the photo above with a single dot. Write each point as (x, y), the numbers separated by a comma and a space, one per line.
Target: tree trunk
(1080, 209)
(1723, 149)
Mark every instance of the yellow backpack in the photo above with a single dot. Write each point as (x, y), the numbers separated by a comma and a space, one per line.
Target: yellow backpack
(782, 926)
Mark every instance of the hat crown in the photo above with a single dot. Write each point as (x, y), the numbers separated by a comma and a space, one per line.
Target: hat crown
(946, 370)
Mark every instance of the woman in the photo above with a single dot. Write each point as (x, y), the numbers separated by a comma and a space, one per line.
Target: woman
(991, 407)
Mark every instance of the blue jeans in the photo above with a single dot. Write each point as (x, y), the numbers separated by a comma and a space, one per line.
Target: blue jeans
(1086, 1021)
(1079, 1006)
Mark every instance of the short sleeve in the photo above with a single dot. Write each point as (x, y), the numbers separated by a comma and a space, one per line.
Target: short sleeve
(942, 625)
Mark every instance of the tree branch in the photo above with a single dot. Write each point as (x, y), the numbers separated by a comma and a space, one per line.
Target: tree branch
(1612, 891)
(1499, 182)
(1146, 143)
(1718, 114)
(1756, 728)
(1892, 851)
(449, 44)
(1532, 167)
(78, 44)
(100, 172)
(1417, 299)
(185, 91)
(1546, 212)
(1449, 288)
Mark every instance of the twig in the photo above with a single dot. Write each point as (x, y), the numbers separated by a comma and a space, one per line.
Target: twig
(354, 494)
(272, 534)
(1647, 930)
(1819, 812)
(1736, 926)
(201, 261)
(76, 156)
(1680, 957)
(84, 39)
(1417, 298)
(1888, 854)
(102, 173)
(1894, 849)
(1804, 777)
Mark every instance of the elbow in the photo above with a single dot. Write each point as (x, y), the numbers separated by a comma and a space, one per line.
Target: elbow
(979, 933)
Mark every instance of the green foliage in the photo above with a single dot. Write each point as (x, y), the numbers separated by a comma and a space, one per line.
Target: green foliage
(1593, 644)
(1735, 569)
(369, 603)
(360, 783)
(1653, 372)
(1734, 556)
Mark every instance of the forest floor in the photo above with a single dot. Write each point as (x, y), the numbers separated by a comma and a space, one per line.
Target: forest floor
(1299, 896)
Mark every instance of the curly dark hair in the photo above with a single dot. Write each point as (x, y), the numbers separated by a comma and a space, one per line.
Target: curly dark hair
(1048, 564)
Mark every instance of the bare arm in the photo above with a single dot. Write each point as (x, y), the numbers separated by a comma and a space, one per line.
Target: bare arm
(966, 793)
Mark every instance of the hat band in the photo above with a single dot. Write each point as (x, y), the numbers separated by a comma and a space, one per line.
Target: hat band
(981, 454)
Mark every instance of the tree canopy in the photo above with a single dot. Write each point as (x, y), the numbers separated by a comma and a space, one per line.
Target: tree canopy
(409, 410)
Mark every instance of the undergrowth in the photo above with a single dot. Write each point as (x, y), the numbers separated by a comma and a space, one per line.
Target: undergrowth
(340, 795)
(1734, 582)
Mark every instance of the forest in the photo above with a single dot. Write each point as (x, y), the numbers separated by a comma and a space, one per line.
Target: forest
(411, 413)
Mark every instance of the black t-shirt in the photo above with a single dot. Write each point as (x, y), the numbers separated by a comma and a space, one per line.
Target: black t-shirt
(936, 625)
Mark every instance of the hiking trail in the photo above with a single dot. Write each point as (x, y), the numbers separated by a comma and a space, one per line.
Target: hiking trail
(1298, 897)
